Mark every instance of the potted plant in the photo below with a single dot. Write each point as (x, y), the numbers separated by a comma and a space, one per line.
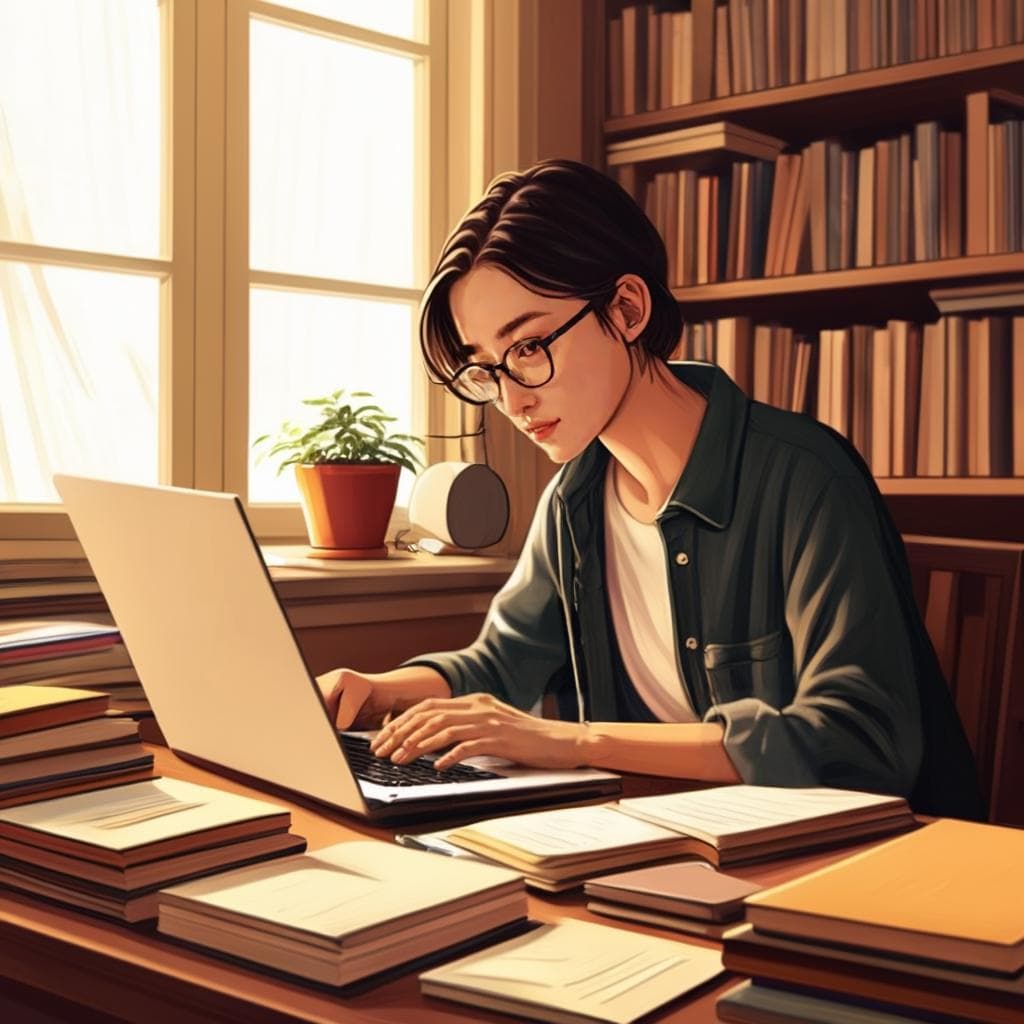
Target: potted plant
(347, 468)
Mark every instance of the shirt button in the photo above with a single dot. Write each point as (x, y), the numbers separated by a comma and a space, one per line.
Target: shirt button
(691, 643)
(682, 558)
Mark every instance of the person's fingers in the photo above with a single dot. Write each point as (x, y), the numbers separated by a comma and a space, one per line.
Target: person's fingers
(411, 722)
(470, 748)
(427, 740)
(352, 692)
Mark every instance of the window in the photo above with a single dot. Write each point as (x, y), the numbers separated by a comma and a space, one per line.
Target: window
(209, 210)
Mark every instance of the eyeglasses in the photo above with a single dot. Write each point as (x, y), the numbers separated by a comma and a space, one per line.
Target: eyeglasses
(526, 362)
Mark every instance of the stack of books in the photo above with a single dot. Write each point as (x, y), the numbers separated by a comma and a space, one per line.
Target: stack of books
(723, 825)
(347, 912)
(111, 850)
(691, 897)
(58, 740)
(59, 652)
(932, 921)
(576, 971)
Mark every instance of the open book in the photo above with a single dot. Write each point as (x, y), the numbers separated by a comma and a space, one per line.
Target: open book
(559, 848)
(574, 972)
(345, 912)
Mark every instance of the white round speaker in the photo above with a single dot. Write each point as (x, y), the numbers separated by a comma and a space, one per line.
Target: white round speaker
(462, 504)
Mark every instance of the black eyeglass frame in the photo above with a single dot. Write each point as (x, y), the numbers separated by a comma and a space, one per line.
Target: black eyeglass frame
(545, 343)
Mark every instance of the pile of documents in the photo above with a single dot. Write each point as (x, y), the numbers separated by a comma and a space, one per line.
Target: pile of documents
(688, 897)
(70, 653)
(932, 921)
(58, 740)
(558, 849)
(576, 971)
(347, 912)
(111, 850)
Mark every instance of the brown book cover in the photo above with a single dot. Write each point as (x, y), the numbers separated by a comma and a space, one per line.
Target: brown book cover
(723, 52)
(865, 50)
(812, 42)
(865, 207)
(883, 214)
(904, 202)
(797, 57)
(757, 13)
(688, 200)
(735, 36)
(815, 157)
(823, 399)
(731, 256)
(1000, 396)
(985, 34)
(748, 44)
(842, 377)
(881, 402)
(915, 344)
(763, 346)
(796, 253)
(931, 458)
(978, 398)
(665, 66)
(909, 897)
(898, 456)
(956, 389)
(892, 201)
(955, 194)
(682, 57)
(25, 708)
(671, 223)
(840, 59)
(777, 212)
(1017, 395)
(714, 222)
(775, 33)
(972, 995)
(649, 56)
(860, 408)
(632, 97)
(690, 889)
(616, 76)
(704, 220)
(705, 46)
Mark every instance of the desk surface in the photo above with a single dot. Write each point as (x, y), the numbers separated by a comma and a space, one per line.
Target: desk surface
(138, 975)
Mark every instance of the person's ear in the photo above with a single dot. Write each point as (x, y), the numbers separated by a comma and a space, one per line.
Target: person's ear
(630, 308)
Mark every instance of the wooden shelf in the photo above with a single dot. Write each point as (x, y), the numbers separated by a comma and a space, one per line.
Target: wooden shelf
(838, 297)
(876, 99)
(968, 487)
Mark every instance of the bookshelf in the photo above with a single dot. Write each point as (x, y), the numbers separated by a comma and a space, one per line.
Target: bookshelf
(953, 66)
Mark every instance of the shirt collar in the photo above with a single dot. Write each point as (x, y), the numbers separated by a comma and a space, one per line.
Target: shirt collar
(708, 484)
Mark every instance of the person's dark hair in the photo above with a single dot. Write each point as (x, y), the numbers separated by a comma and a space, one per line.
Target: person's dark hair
(561, 229)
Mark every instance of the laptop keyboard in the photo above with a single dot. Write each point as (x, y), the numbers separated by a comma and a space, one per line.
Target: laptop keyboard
(421, 772)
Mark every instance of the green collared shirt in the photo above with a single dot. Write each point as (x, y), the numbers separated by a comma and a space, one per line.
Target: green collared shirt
(795, 624)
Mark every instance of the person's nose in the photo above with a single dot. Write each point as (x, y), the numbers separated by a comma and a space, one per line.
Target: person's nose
(514, 400)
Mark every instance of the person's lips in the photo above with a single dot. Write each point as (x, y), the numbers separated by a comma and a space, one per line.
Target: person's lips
(539, 431)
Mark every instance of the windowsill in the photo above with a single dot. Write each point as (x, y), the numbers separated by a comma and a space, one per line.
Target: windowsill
(401, 573)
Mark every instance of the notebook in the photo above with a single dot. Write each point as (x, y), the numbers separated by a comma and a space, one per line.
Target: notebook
(220, 665)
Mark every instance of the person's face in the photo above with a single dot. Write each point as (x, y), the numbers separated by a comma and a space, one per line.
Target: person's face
(492, 311)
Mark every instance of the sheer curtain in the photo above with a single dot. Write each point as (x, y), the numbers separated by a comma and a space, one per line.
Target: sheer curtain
(79, 174)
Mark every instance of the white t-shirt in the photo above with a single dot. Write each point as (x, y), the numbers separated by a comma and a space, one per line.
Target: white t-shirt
(638, 593)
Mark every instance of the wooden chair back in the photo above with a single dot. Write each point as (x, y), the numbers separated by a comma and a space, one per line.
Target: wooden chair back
(969, 595)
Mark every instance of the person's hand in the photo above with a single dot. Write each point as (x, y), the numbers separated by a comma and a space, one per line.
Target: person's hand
(480, 724)
(353, 699)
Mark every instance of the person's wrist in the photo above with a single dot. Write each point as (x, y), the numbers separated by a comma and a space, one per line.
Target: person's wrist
(584, 744)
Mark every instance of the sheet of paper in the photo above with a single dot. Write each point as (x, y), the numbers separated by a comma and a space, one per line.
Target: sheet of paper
(591, 969)
(571, 830)
(732, 810)
(122, 817)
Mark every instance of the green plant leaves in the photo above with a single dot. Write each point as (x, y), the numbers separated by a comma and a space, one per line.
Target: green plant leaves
(343, 435)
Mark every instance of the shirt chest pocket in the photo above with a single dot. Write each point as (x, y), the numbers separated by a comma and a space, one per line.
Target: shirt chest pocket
(761, 668)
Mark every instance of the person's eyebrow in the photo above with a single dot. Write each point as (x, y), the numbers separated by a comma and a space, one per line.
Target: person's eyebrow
(503, 332)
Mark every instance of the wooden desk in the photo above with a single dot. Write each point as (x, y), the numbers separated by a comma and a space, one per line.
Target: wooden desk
(136, 975)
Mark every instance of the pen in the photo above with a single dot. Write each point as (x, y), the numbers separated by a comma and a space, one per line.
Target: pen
(434, 846)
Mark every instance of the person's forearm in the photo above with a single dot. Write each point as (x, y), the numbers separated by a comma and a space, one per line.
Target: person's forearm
(685, 751)
(407, 686)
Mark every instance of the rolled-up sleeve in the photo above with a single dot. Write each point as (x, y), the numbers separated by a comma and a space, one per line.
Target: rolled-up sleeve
(854, 720)
(523, 641)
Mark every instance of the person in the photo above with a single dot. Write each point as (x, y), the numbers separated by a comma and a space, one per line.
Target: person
(711, 588)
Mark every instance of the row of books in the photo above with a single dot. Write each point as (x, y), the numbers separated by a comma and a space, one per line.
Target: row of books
(917, 400)
(926, 923)
(828, 207)
(1005, 188)
(664, 55)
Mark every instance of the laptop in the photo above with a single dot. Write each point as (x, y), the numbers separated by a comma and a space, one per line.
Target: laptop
(220, 665)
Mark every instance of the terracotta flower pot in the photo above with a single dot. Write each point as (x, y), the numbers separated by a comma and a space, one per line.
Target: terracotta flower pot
(347, 507)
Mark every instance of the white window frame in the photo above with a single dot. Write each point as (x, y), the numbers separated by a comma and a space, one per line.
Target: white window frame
(205, 276)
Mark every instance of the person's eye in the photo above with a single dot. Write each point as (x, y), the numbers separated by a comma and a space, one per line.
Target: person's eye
(530, 349)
